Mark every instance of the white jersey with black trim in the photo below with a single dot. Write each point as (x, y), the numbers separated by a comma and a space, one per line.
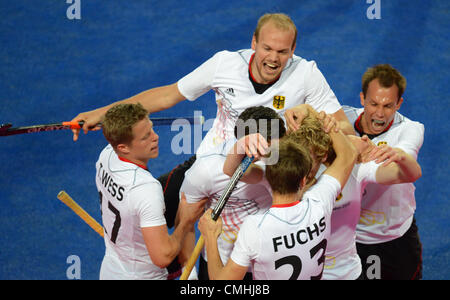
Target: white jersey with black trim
(342, 261)
(227, 73)
(206, 179)
(388, 210)
(289, 241)
(130, 199)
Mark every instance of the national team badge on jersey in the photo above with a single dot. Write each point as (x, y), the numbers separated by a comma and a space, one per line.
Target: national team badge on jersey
(278, 102)
(370, 218)
(381, 143)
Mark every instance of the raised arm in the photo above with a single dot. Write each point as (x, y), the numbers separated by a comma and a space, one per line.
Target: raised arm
(346, 155)
(295, 115)
(251, 145)
(155, 99)
(344, 124)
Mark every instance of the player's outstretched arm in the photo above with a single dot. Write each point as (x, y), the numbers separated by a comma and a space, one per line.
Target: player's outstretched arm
(295, 115)
(346, 155)
(155, 99)
(398, 166)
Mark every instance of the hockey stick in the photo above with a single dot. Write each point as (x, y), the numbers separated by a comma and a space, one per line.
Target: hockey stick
(216, 213)
(5, 129)
(67, 200)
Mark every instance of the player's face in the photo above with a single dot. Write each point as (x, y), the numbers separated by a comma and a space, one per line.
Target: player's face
(272, 52)
(380, 106)
(144, 145)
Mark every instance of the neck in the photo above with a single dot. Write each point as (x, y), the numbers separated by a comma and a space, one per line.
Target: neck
(360, 123)
(283, 199)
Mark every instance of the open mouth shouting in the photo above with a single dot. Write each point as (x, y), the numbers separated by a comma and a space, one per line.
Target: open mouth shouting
(378, 125)
(271, 68)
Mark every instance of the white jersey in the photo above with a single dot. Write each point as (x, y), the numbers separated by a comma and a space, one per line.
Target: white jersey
(227, 73)
(289, 241)
(388, 210)
(342, 261)
(206, 179)
(130, 199)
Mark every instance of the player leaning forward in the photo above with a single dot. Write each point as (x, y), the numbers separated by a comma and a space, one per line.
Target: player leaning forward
(137, 242)
(387, 228)
(268, 74)
(271, 242)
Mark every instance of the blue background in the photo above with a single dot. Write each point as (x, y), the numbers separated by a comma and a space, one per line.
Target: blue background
(53, 68)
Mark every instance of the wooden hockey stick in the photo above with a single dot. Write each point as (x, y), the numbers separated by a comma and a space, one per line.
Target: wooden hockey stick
(67, 200)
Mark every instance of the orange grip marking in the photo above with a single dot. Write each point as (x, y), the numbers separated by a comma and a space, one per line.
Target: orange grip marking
(73, 125)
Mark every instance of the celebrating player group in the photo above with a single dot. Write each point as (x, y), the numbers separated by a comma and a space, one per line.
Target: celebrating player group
(330, 186)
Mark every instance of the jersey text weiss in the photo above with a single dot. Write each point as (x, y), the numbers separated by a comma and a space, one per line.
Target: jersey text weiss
(130, 199)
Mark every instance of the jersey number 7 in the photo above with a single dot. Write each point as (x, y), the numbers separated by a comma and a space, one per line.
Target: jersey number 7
(117, 221)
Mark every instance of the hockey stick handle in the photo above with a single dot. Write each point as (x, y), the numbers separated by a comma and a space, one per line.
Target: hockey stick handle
(6, 130)
(216, 213)
(156, 121)
(67, 200)
(193, 258)
(230, 187)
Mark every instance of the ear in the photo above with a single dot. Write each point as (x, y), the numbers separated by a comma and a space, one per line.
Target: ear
(254, 43)
(361, 98)
(303, 182)
(123, 149)
(399, 103)
(293, 50)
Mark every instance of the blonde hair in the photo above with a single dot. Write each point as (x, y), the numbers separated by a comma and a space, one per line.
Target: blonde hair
(311, 136)
(119, 121)
(280, 20)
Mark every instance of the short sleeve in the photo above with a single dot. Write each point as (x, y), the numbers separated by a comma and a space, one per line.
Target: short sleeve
(411, 139)
(366, 172)
(199, 81)
(147, 202)
(197, 182)
(326, 190)
(318, 93)
(247, 244)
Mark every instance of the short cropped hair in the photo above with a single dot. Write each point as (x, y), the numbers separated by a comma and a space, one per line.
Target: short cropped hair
(387, 76)
(119, 120)
(294, 164)
(272, 127)
(280, 20)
